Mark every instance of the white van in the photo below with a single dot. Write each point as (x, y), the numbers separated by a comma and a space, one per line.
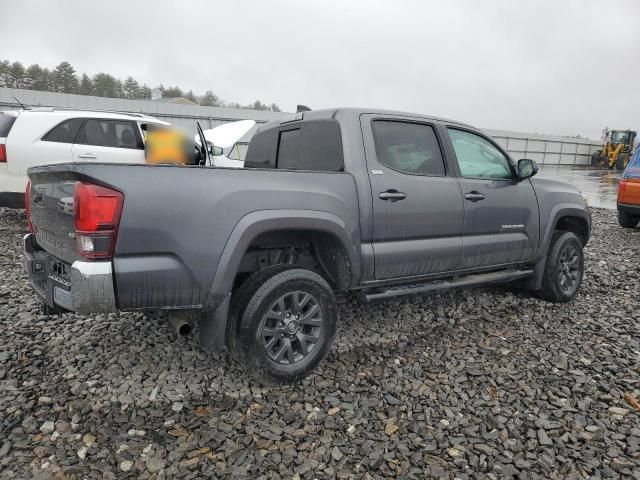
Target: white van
(41, 136)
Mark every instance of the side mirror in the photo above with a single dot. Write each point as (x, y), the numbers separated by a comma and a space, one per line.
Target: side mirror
(215, 151)
(527, 168)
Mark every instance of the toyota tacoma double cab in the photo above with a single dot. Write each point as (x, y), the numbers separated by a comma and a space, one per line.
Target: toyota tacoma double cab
(374, 202)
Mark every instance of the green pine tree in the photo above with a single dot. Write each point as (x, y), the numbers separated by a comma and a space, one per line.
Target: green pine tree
(86, 85)
(15, 75)
(64, 78)
(144, 92)
(209, 99)
(4, 73)
(173, 92)
(130, 88)
(105, 85)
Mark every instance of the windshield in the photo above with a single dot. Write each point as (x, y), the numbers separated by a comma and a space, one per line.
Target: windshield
(619, 137)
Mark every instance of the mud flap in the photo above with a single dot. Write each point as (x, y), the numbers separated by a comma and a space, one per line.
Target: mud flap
(213, 325)
(535, 282)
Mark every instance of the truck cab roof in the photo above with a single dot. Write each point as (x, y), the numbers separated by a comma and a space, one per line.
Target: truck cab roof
(351, 112)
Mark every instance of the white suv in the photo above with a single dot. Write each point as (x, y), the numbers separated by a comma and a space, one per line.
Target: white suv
(40, 136)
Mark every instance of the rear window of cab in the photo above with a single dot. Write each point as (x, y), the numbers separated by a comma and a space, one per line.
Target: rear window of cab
(312, 145)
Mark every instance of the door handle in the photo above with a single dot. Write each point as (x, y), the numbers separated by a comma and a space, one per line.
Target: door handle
(392, 195)
(474, 196)
(87, 155)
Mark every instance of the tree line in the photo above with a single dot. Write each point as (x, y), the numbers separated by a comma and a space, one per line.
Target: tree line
(64, 79)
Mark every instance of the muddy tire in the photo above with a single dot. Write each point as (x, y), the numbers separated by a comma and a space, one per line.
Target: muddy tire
(563, 269)
(287, 327)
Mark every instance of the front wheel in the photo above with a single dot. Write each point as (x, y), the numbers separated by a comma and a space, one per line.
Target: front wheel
(564, 268)
(621, 162)
(288, 326)
(627, 220)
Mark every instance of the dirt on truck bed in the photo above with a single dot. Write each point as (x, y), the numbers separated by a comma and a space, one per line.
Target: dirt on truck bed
(471, 384)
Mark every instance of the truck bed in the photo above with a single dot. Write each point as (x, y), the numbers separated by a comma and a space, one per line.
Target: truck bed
(176, 220)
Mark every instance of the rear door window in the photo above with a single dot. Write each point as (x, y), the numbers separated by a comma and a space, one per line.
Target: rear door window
(125, 133)
(6, 122)
(64, 132)
(110, 133)
(406, 147)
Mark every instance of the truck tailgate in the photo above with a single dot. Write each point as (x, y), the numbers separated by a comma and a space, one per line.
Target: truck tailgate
(51, 213)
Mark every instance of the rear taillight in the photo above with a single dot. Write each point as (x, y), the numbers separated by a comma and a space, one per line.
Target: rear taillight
(3, 153)
(26, 207)
(97, 215)
(621, 188)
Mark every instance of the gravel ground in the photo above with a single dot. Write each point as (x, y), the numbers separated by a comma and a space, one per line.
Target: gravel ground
(488, 383)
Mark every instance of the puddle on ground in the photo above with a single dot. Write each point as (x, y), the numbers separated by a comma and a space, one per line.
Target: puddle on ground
(599, 186)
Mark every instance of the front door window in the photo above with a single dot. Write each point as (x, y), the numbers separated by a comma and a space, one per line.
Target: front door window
(479, 158)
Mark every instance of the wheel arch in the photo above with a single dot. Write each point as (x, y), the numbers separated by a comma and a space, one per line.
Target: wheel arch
(332, 229)
(565, 216)
(574, 224)
(213, 322)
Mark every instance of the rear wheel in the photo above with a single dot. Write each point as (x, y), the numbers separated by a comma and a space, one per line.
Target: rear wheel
(288, 326)
(627, 220)
(621, 162)
(564, 268)
(239, 301)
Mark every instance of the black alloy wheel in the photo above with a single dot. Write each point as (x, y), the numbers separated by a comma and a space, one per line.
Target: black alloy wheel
(568, 268)
(564, 267)
(292, 328)
(287, 326)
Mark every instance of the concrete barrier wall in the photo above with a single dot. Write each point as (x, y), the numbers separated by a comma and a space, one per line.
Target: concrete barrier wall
(544, 149)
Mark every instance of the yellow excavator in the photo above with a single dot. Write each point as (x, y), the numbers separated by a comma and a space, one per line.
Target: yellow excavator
(616, 150)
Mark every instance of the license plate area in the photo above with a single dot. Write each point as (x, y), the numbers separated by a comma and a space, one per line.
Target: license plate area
(59, 272)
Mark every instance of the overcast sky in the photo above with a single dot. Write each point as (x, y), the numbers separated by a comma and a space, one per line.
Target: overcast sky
(558, 67)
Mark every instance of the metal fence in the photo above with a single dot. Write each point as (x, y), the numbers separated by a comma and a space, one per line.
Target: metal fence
(544, 149)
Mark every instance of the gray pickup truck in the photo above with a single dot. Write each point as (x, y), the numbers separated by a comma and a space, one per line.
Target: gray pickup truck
(374, 202)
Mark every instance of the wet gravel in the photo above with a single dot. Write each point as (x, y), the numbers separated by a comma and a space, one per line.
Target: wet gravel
(484, 383)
